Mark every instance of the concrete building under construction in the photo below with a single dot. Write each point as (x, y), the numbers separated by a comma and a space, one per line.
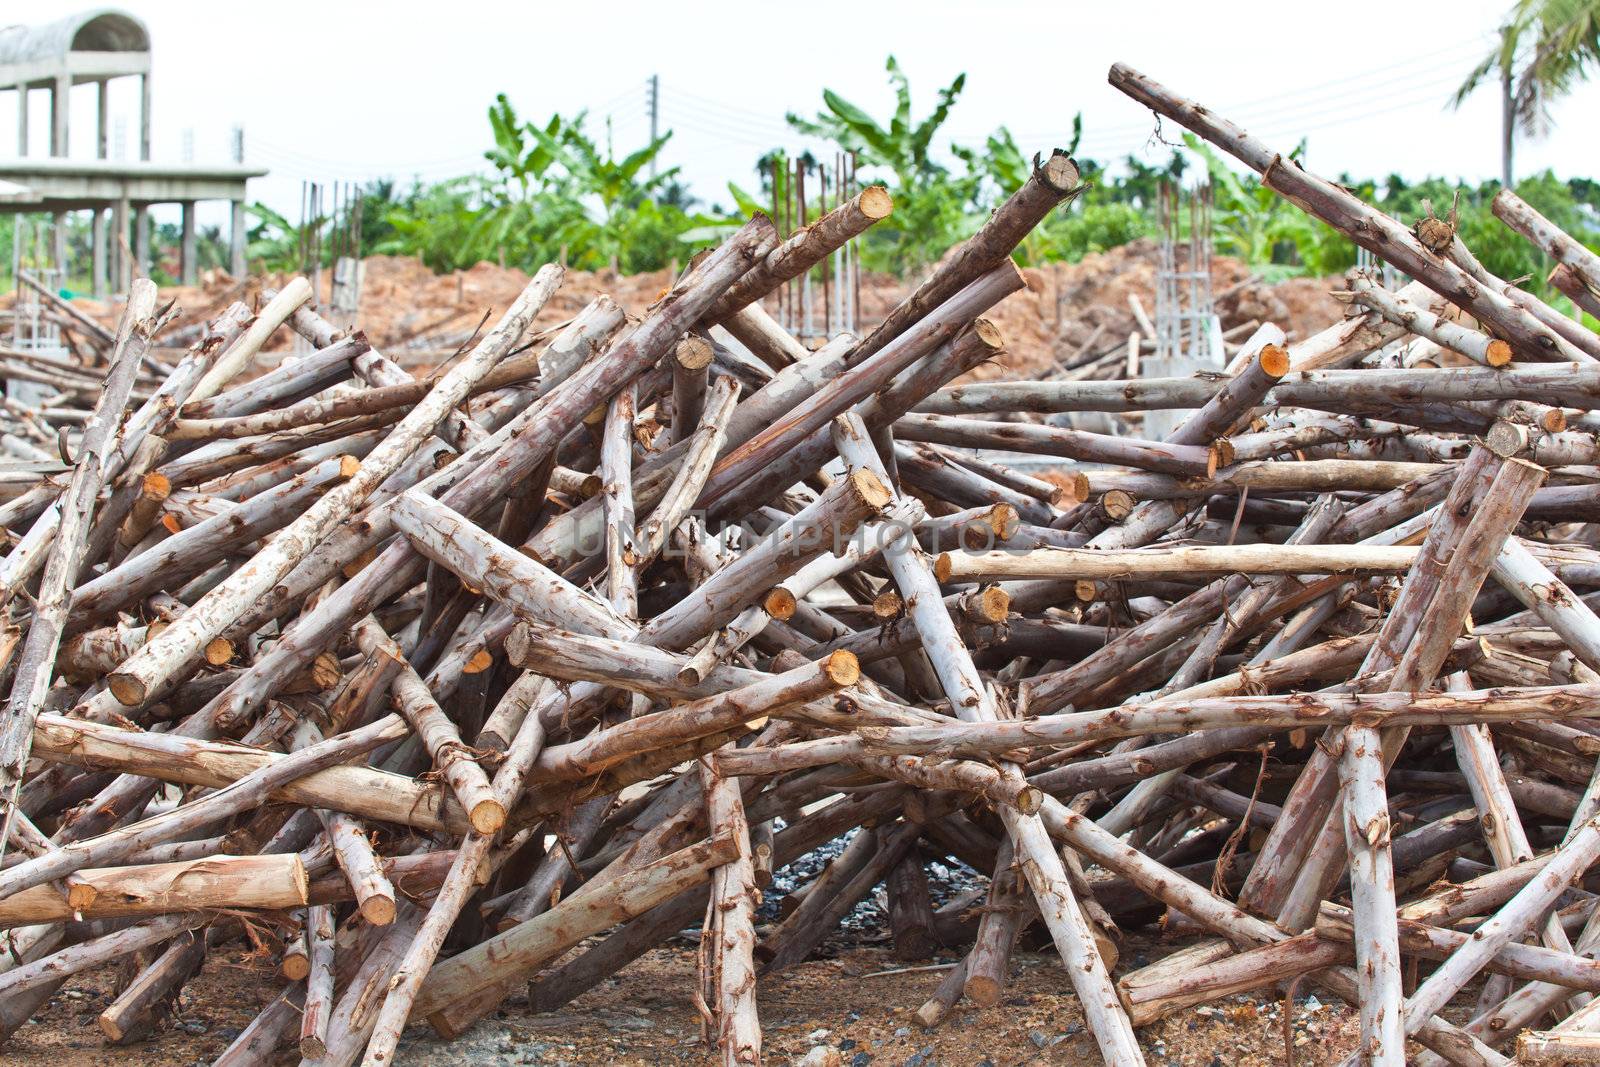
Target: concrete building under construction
(95, 47)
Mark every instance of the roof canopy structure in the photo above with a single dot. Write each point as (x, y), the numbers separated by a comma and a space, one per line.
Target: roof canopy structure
(88, 46)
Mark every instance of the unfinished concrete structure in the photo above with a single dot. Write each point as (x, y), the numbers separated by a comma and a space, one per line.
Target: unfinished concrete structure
(95, 47)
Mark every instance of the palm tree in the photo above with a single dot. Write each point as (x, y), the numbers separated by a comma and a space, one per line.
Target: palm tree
(1545, 49)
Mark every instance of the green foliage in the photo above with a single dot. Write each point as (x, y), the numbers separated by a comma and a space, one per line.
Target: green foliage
(932, 207)
(441, 224)
(555, 194)
(1256, 225)
(558, 192)
(274, 243)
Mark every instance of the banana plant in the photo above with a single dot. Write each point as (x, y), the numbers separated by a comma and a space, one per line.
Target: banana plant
(1256, 225)
(902, 145)
(276, 244)
(932, 207)
(517, 160)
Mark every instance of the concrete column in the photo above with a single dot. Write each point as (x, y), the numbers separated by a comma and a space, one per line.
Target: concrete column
(121, 269)
(60, 105)
(58, 243)
(22, 122)
(98, 269)
(102, 142)
(144, 117)
(141, 240)
(191, 268)
(236, 241)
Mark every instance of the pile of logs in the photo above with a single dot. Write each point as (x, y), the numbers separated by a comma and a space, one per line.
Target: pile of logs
(482, 685)
(61, 379)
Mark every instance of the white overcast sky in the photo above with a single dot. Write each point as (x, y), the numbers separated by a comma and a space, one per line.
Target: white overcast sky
(340, 91)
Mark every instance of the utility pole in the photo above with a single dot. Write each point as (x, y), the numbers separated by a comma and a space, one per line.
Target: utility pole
(655, 113)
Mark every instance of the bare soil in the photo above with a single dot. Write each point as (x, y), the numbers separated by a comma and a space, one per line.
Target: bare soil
(417, 317)
(858, 1006)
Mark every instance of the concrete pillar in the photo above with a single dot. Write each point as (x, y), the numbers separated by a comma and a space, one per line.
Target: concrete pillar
(144, 117)
(141, 240)
(22, 122)
(236, 240)
(60, 105)
(102, 144)
(191, 268)
(121, 269)
(58, 245)
(97, 269)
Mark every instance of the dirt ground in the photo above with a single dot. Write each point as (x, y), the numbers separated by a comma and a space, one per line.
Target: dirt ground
(846, 1004)
(418, 317)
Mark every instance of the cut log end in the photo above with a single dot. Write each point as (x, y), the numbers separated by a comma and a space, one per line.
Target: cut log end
(842, 668)
(1498, 353)
(1117, 504)
(693, 352)
(870, 488)
(219, 650)
(129, 689)
(378, 910)
(1059, 172)
(992, 604)
(875, 202)
(295, 967)
(983, 991)
(481, 661)
(887, 605)
(942, 567)
(989, 333)
(313, 1047)
(1506, 438)
(780, 603)
(487, 816)
(349, 467)
(1274, 361)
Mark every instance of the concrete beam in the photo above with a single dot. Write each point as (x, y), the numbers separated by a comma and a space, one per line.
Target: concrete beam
(80, 66)
(22, 121)
(83, 183)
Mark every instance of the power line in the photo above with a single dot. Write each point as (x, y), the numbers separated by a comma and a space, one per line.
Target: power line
(1255, 109)
(1303, 120)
